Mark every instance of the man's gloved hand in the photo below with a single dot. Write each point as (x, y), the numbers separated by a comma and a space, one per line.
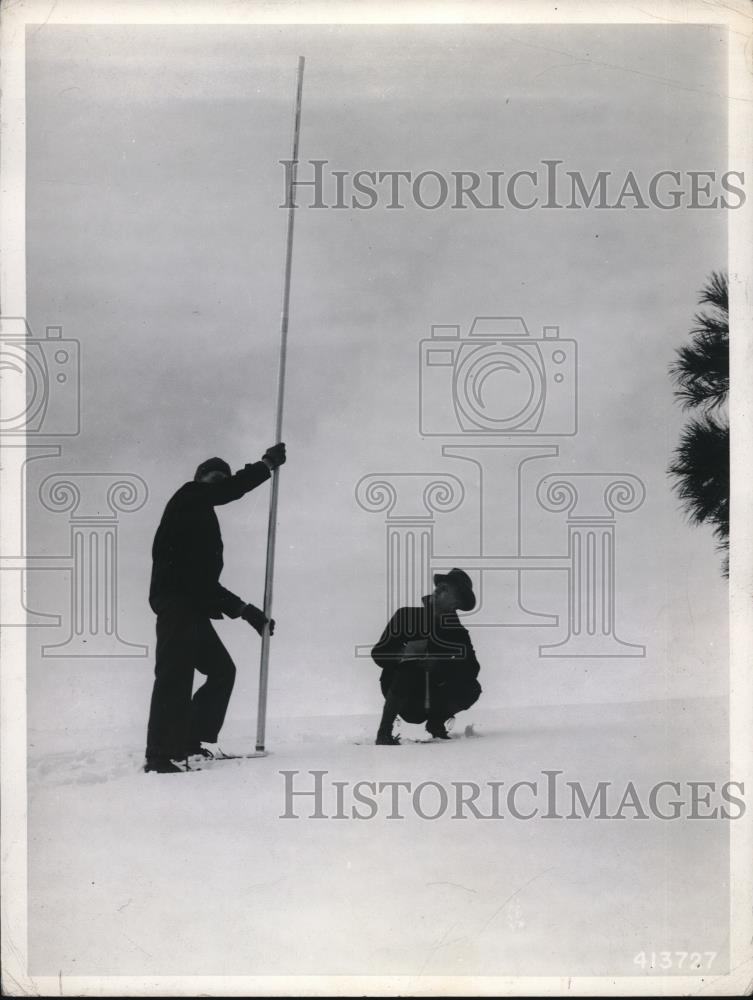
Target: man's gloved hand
(275, 456)
(257, 619)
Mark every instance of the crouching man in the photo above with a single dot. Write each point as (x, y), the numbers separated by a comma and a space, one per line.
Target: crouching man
(429, 667)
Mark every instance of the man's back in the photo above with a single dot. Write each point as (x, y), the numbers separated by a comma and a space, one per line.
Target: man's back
(446, 638)
(187, 548)
(187, 552)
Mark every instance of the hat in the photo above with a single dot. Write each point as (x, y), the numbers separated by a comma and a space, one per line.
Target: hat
(462, 584)
(212, 465)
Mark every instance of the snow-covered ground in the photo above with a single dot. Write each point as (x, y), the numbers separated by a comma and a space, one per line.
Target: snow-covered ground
(134, 874)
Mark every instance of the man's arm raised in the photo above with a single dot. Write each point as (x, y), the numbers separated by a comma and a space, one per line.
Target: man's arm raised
(245, 479)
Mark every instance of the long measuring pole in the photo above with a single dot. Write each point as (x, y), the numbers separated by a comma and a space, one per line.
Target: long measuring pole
(261, 718)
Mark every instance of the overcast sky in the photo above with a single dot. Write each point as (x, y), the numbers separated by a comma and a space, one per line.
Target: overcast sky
(155, 238)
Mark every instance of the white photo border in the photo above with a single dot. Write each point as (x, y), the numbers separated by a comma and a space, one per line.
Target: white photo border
(737, 16)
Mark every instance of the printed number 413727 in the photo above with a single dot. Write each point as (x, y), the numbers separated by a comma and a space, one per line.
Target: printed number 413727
(692, 961)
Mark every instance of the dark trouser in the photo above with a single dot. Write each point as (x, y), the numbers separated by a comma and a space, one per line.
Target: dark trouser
(404, 692)
(177, 722)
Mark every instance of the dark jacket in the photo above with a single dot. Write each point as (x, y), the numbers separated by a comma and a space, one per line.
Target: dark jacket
(187, 549)
(448, 642)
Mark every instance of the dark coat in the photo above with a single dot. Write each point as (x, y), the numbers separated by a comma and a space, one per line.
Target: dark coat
(449, 646)
(187, 549)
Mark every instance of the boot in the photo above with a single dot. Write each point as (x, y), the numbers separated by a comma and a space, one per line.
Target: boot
(437, 729)
(384, 738)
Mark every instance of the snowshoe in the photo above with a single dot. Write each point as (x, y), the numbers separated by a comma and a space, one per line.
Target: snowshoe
(164, 765)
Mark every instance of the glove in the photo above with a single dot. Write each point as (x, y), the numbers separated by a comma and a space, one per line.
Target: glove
(275, 456)
(257, 619)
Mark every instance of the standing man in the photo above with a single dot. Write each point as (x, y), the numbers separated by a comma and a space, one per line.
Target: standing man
(185, 593)
(429, 667)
